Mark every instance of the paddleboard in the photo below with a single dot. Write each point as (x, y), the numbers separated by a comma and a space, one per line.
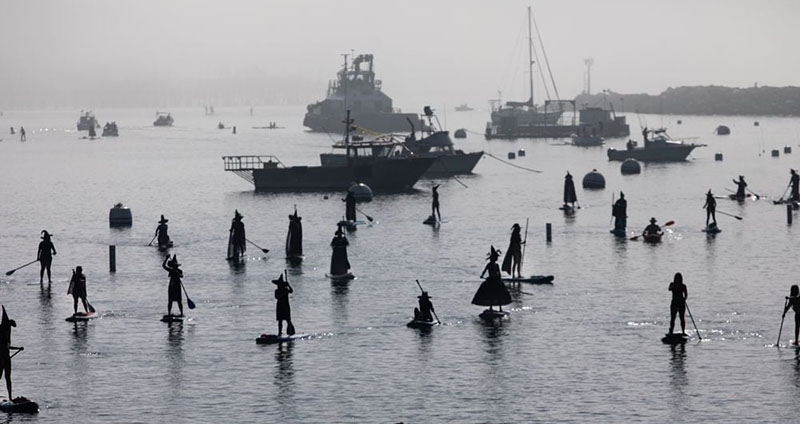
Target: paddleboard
(618, 233)
(162, 247)
(533, 279)
(341, 277)
(82, 316)
(711, 230)
(567, 209)
(272, 338)
(493, 314)
(172, 318)
(433, 221)
(422, 324)
(20, 405)
(674, 338)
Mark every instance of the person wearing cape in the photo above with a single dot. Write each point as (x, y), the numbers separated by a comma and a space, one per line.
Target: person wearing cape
(425, 310)
(513, 258)
(793, 301)
(653, 229)
(162, 232)
(283, 312)
(492, 292)
(620, 213)
(174, 289)
(741, 185)
(711, 207)
(236, 237)
(45, 256)
(349, 206)
(339, 263)
(794, 181)
(678, 304)
(5, 349)
(77, 288)
(294, 238)
(435, 204)
(569, 192)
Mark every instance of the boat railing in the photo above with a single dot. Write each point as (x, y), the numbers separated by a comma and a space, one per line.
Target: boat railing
(244, 165)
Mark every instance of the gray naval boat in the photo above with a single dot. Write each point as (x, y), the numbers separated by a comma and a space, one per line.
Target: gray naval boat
(378, 163)
(357, 90)
(437, 144)
(660, 148)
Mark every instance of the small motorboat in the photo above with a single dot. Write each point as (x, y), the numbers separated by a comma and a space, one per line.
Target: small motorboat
(163, 120)
(120, 216)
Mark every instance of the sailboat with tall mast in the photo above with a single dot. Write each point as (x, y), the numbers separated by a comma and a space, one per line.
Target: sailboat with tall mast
(525, 119)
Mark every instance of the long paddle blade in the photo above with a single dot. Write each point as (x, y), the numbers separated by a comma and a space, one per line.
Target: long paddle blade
(91, 308)
(669, 223)
(190, 303)
(290, 329)
(20, 267)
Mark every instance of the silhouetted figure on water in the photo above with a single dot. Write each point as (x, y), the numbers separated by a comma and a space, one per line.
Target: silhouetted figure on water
(620, 213)
(77, 288)
(283, 312)
(711, 207)
(793, 301)
(653, 229)
(513, 259)
(492, 292)
(794, 181)
(741, 185)
(349, 206)
(12, 131)
(236, 237)
(339, 263)
(22, 136)
(174, 288)
(294, 238)
(92, 133)
(45, 256)
(6, 348)
(569, 193)
(425, 310)
(162, 233)
(435, 203)
(678, 304)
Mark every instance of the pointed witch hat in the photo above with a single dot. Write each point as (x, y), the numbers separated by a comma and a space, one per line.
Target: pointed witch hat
(46, 235)
(237, 216)
(279, 282)
(7, 322)
(174, 261)
(493, 253)
(516, 227)
(424, 295)
(163, 220)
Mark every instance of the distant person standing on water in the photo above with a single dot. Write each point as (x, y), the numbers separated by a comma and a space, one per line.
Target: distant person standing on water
(678, 304)
(12, 131)
(45, 256)
(620, 213)
(283, 311)
(174, 289)
(425, 310)
(741, 185)
(569, 193)
(794, 181)
(77, 288)
(435, 204)
(22, 136)
(162, 232)
(340, 265)
(711, 207)
(793, 301)
(5, 349)
(492, 292)
(349, 206)
(236, 237)
(513, 258)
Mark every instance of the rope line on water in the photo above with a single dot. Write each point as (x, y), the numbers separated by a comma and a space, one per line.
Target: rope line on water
(511, 164)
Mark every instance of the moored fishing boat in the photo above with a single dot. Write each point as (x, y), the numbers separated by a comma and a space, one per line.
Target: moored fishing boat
(587, 140)
(662, 148)
(437, 144)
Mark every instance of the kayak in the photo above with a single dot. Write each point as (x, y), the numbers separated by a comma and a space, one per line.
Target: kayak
(494, 313)
(674, 338)
(533, 279)
(421, 324)
(172, 318)
(20, 405)
(341, 277)
(652, 238)
(82, 316)
(272, 338)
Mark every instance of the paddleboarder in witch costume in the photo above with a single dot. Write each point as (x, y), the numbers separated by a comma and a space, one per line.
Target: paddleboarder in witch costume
(711, 207)
(793, 301)
(174, 288)
(741, 185)
(678, 304)
(349, 206)
(620, 213)
(162, 233)
(569, 193)
(425, 310)
(77, 288)
(283, 312)
(513, 258)
(45, 256)
(435, 204)
(794, 181)
(236, 237)
(339, 263)
(294, 238)
(5, 349)
(492, 292)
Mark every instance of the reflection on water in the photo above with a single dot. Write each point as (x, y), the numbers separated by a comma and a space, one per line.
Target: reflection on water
(492, 334)
(678, 380)
(45, 304)
(339, 290)
(175, 359)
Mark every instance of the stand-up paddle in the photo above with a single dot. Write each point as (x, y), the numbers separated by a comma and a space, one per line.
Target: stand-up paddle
(524, 243)
(152, 240)
(778, 343)
(262, 249)
(784, 192)
(432, 310)
(19, 349)
(690, 316)
(635, 238)
(369, 218)
(730, 215)
(758, 196)
(189, 302)
(20, 267)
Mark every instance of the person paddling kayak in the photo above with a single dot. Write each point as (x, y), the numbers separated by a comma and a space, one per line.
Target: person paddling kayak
(793, 301)
(162, 233)
(652, 229)
(283, 311)
(5, 348)
(174, 289)
(492, 291)
(569, 193)
(339, 263)
(513, 258)
(620, 213)
(678, 304)
(711, 207)
(425, 310)
(77, 288)
(45, 256)
(741, 185)
(236, 237)
(294, 238)
(794, 181)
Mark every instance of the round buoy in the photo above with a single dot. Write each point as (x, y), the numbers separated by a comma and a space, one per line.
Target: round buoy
(755, 124)
(521, 153)
(594, 179)
(776, 153)
(723, 130)
(460, 133)
(679, 122)
(630, 166)
(120, 216)
(787, 149)
(718, 157)
(361, 191)
(512, 155)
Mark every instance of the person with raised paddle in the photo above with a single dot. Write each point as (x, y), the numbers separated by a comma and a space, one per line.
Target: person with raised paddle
(425, 310)
(793, 301)
(174, 289)
(6, 348)
(340, 265)
(711, 208)
(237, 242)
(569, 194)
(350, 207)
(794, 182)
(741, 185)
(294, 238)
(283, 311)
(45, 256)
(513, 258)
(652, 230)
(492, 292)
(619, 210)
(435, 203)
(678, 304)
(77, 288)
(162, 233)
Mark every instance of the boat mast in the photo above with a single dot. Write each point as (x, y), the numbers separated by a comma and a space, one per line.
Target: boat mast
(344, 80)
(530, 55)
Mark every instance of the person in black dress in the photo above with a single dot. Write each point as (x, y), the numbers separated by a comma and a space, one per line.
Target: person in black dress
(45, 256)
(678, 304)
(492, 292)
(513, 258)
(174, 288)
(283, 312)
(340, 265)
(711, 208)
(793, 301)
(236, 238)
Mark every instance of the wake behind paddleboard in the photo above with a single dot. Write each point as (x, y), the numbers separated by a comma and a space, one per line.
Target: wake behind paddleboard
(533, 279)
(674, 338)
(82, 316)
(172, 318)
(273, 338)
(20, 405)
(494, 314)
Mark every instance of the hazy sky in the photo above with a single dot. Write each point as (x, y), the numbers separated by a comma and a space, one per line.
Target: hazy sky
(426, 51)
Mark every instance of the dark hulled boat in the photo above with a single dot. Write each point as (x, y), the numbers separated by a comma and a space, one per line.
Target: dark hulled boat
(662, 148)
(163, 120)
(437, 144)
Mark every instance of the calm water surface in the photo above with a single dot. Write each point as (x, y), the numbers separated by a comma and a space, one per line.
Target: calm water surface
(586, 349)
